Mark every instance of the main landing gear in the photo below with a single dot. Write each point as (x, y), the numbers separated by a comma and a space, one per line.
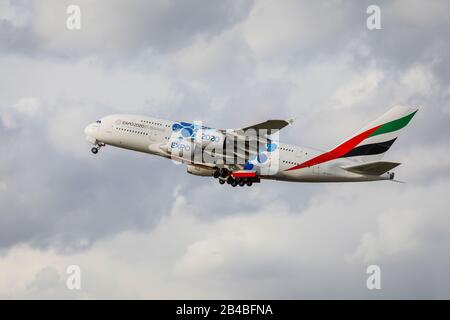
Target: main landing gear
(239, 182)
(221, 173)
(224, 176)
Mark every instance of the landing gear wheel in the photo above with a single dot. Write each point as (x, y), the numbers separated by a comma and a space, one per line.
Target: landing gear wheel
(216, 173)
(241, 183)
(94, 150)
(249, 183)
(221, 181)
(230, 180)
(234, 183)
(223, 172)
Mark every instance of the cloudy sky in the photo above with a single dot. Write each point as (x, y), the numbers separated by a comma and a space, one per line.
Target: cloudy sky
(140, 227)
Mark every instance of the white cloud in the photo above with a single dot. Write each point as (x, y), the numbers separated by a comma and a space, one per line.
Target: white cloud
(360, 87)
(27, 106)
(252, 254)
(275, 31)
(12, 115)
(397, 234)
(211, 56)
(432, 162)
(417, 80)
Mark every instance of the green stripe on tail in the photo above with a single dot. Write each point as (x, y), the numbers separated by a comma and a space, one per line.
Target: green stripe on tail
(393, 125)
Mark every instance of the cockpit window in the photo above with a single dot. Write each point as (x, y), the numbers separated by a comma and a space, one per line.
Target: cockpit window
(98, 121)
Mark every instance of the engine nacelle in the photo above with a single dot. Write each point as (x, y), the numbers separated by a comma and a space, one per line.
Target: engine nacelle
(199, 171)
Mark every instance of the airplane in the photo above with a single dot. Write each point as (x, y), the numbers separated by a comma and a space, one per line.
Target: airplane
(240, 157)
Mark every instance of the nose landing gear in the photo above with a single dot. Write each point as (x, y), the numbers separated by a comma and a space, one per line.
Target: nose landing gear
(97, 147)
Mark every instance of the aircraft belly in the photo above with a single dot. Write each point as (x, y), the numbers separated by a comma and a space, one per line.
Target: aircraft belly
(323, 174)
(126, 142)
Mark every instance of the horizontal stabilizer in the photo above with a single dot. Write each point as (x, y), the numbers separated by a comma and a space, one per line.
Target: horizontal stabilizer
(375, 168)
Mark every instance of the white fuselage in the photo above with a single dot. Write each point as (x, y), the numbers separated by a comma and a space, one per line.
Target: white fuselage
(146, 134)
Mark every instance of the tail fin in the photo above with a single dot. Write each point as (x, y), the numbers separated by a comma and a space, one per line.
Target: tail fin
(372, 141)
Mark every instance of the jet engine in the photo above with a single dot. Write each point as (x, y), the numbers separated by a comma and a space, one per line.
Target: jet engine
(199, 171)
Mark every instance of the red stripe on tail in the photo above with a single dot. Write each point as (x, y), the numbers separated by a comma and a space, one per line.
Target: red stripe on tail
(337, 152)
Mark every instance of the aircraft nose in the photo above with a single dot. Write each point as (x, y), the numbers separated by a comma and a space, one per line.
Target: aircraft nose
(89, 130)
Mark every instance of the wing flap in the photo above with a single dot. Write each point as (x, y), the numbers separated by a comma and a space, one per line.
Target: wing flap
(375, 168)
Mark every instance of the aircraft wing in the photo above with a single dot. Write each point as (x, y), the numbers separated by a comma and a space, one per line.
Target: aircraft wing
(253, 132)
(375, 168)
(273, 125)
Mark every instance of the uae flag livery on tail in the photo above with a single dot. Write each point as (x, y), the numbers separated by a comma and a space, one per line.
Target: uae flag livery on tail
(388, 128)
(371, 142)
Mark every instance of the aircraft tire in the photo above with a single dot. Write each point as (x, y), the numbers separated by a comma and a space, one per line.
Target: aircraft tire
(94, 150)
(223, 172)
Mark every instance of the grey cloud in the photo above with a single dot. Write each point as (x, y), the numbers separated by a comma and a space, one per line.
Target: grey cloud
(52, 198)
(16, 39)
(117, 29)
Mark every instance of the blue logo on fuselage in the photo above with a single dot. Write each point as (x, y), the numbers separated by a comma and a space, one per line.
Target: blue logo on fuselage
(188, 130)
(262, 158)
